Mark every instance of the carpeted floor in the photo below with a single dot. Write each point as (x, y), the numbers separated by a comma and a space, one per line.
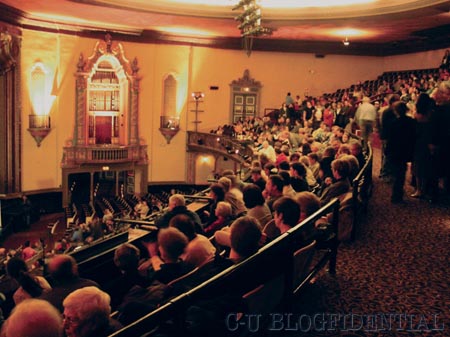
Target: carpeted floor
(396, 270)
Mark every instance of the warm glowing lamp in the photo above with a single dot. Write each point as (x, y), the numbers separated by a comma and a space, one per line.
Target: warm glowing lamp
(39, 119)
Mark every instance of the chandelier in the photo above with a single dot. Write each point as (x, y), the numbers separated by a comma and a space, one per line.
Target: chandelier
(250, 23)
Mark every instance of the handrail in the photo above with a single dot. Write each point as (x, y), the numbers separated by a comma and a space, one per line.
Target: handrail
(362, 186)
(280, 250)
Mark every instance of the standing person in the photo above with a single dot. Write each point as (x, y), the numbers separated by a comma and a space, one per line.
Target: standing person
(400, 148)
(387, 117)
(440, 140)
(289, 100)
(422, 156)
(366, 116)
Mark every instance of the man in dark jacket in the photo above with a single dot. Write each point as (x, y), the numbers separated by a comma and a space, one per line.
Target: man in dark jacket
(400, 148)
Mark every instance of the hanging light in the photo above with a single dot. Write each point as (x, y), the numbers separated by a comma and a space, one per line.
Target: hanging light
(250, 23)
(346, 42)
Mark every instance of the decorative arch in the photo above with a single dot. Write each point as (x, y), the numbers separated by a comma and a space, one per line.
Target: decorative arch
(106, 141)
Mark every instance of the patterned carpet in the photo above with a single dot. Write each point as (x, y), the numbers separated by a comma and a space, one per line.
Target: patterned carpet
(397, 266)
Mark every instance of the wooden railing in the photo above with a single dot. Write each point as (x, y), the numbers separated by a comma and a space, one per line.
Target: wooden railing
(237, 150)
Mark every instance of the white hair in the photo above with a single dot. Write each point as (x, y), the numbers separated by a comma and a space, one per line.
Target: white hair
(34, 318)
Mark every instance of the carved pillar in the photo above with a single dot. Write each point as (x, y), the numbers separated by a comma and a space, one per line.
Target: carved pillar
(10, 114)
(134, 111)
(80, 114)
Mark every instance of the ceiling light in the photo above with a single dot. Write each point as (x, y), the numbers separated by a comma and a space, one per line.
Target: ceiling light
(250, 23)
(346, 42)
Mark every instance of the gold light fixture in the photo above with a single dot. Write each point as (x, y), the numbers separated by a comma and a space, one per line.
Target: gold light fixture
(39, 127)
(250, 23)
(41, 100)
(169, 127)
(346, 42)
(197, 96)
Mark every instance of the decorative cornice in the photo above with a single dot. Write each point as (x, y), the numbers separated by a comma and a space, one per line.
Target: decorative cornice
(25, 21)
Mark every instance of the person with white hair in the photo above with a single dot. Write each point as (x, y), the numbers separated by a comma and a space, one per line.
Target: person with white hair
(177, 205)
(33, 318)
(87, 314)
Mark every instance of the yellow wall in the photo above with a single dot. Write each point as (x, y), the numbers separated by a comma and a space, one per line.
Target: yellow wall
(196, 69)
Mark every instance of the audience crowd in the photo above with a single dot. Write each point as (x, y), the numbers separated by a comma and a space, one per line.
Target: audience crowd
(305, 154)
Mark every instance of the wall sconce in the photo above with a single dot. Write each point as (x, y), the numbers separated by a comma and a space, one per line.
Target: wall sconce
(169, 127)
(39, 127)
(197, 96)
(39, 121)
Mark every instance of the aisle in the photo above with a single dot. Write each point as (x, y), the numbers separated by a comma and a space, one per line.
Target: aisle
(398, 266)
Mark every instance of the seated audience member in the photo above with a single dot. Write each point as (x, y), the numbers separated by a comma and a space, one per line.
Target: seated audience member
(30, 286)
(33, 318)
(314, 165)
(284, 166)
(328, 156)
(245, 236)
(236, 184)
(274, 190)
(343, 150)
(295, 157)
(357, 150)
(310, 179)
(256, 205)
(177, 205)
(87, 314)
(268, 151)
(341, 170)
(354, 165)
(257, 179)
(199, 249)
(64, 279)
(286, 213)
(288, 191)
(168, 266)
(108, 217)
(224, 216)
(235, 200)
(206, 317)
(126, 259)
(28, 252)
(298, 177)
(217, 194)
(309, 204)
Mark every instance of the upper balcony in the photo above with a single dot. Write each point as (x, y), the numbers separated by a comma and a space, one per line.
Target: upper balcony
(74, 156)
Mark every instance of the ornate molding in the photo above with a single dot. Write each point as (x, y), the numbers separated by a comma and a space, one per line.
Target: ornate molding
(9, 51)
(246, 81)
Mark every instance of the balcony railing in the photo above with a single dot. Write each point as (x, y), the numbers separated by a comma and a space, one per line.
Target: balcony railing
(237, 150)
(78, 155)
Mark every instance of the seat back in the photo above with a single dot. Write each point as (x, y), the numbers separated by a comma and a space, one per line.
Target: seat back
(302, 263)
(346, 217)
(271, 230)
(265, 298)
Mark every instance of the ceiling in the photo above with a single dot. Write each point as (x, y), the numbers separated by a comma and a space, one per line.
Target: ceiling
(373, 27)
